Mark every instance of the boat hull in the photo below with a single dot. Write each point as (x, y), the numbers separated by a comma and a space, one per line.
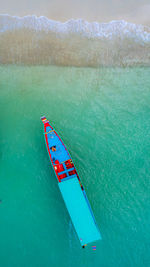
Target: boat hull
(71, 187)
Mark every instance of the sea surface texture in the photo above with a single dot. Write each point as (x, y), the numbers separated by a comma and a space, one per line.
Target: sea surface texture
(103, 117)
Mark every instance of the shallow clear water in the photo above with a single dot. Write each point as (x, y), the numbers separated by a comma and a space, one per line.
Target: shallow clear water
(103, 117)
(32, 40)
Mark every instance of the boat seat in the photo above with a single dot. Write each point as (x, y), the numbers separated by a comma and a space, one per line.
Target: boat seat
(69, 177)
(67, 170)
(49, 132)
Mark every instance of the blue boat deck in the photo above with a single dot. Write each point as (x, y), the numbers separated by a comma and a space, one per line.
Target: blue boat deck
(61, 153)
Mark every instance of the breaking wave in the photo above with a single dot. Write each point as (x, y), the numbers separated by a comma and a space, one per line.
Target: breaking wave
(39, 40)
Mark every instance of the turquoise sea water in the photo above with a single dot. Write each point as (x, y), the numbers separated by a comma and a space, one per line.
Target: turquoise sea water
(103, 117)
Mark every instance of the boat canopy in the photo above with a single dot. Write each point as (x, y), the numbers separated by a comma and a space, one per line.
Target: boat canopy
(80, 211)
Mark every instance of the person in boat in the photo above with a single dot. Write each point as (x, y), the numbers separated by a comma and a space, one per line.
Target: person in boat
(53, 148)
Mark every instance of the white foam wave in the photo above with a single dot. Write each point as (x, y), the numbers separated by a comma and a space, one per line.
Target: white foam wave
(75, 42)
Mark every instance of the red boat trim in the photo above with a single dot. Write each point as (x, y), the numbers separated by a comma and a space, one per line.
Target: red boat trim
(46, 124)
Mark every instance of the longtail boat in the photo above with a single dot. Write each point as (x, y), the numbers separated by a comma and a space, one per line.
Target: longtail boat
(71, 187)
